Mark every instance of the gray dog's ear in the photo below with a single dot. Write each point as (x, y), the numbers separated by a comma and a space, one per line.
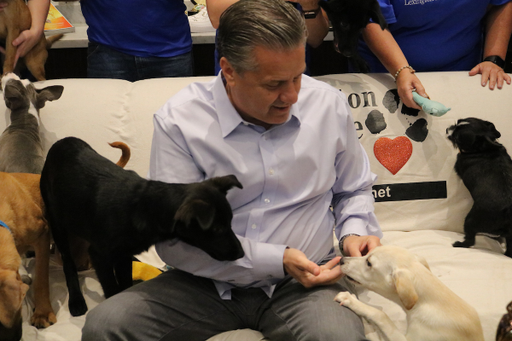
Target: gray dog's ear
(405, 288)
(203, 212)
(50, 93)
(225, 183)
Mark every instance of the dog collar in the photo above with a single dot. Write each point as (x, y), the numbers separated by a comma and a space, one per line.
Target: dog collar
(5, 225)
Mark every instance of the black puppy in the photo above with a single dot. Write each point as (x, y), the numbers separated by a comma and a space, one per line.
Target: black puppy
(348, 18)
(121, 214)
(485, 167)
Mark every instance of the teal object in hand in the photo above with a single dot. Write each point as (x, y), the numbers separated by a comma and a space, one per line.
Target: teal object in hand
(431, 107)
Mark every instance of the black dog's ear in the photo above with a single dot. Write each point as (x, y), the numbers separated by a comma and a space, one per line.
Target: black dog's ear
(376, 15)
(196, 209)
(495, 133)
(225, 183)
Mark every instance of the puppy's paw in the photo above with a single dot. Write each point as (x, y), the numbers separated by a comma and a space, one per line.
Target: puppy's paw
(77, 307)
(461, 244)
(42, 319)
(345, 298)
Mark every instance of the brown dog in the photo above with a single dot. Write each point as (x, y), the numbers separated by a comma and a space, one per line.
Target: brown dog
(14, 19)
(21, 209)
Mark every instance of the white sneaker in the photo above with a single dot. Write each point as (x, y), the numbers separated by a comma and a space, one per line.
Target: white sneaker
(200, 22)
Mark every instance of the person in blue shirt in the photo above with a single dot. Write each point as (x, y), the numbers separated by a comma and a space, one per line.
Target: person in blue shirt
(439, 35)
(291, 141)
(137, 39)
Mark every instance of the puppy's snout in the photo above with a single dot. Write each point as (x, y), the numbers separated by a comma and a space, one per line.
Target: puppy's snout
(342, 260)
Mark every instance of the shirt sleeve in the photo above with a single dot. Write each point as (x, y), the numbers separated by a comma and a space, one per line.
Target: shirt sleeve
(171, 162)
(387, 11)
(352, 193)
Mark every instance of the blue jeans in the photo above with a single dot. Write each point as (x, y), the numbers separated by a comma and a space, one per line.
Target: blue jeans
(104, 62)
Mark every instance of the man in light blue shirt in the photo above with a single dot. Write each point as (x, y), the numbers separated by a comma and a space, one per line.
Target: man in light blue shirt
(291, 141)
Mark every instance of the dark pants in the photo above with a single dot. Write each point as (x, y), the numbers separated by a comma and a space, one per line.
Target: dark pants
(178, 306)
(104, 62)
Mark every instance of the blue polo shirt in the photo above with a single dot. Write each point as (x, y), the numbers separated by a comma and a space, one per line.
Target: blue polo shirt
(155, 28)
(435, 35)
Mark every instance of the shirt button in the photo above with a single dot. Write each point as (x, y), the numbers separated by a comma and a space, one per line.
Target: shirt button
(253, 226)
(271, 171)
(267, 201)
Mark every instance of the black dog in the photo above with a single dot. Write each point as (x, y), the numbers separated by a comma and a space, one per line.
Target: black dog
(485, 167)
(121, 214)
(348, 19)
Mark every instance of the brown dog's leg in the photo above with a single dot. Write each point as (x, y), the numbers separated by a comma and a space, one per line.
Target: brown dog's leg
(35, 60)
(10, 51)
(43, 314)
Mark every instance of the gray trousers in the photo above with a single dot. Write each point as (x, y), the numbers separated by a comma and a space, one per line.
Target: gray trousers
(178, 306)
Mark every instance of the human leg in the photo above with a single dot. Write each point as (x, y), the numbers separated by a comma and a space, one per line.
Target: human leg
(297, 313)
(172, 306)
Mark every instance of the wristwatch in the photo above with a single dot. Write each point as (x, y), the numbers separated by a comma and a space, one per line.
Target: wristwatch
(496, 60)
(311, 14)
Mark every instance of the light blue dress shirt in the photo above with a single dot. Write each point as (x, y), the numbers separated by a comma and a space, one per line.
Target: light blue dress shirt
(292, 175)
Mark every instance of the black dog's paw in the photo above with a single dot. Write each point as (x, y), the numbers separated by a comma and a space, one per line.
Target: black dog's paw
(77, 307)
(461, 244)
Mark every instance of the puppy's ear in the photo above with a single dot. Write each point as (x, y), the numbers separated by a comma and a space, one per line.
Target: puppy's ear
(196, 209)
(50, 93)
(376, 15)
(405, 288)
(225, 183)
(423, 261)
(12, 293)
(494, 132)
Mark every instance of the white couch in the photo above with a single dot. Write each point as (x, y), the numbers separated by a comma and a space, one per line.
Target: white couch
(101, 111)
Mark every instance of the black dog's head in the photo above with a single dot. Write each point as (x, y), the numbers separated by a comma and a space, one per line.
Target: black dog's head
(348, 18)
(473, 135)
(204, 218)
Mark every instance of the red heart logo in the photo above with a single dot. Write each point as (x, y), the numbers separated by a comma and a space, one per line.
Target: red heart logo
(393, 153)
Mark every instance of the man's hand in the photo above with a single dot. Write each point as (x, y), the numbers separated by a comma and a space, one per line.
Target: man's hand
(491, 73)
(357, 246)
(308, 273)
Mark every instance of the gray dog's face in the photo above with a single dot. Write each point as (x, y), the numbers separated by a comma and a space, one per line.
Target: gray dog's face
(473, 135)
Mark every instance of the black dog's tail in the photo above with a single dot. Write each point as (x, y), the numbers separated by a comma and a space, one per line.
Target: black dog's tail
(125, 153)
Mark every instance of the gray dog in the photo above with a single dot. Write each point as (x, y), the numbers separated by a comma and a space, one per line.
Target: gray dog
(21, 149)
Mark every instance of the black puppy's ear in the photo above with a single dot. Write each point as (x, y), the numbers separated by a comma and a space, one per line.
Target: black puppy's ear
(495, 133)
(376, 15)
(196, 209)
(225, 183)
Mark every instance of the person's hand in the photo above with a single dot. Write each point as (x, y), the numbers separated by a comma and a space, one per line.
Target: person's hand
(357, 246)
(308, 273)
(26, 41)
(492, 74)
(406, 82)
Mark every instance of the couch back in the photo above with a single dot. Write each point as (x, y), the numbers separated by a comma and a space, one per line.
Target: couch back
(416, 187)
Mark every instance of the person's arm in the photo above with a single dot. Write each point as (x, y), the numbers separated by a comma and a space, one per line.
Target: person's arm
(317, 27)
(353, 200)
(499, 28)
(28, 38)
(384, 46)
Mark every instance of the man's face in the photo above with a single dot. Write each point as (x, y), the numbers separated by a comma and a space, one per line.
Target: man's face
(265, 96)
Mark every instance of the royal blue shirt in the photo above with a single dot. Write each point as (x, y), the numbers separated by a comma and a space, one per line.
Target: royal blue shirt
(154, 28)
(292, 174)
(435, 35)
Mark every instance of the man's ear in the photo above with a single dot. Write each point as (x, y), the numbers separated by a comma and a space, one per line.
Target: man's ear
(227, 70)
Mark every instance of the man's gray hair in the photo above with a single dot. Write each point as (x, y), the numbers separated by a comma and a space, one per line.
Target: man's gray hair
(271, 24)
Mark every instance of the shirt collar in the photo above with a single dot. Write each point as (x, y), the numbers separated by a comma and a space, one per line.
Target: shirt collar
(227, 115)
